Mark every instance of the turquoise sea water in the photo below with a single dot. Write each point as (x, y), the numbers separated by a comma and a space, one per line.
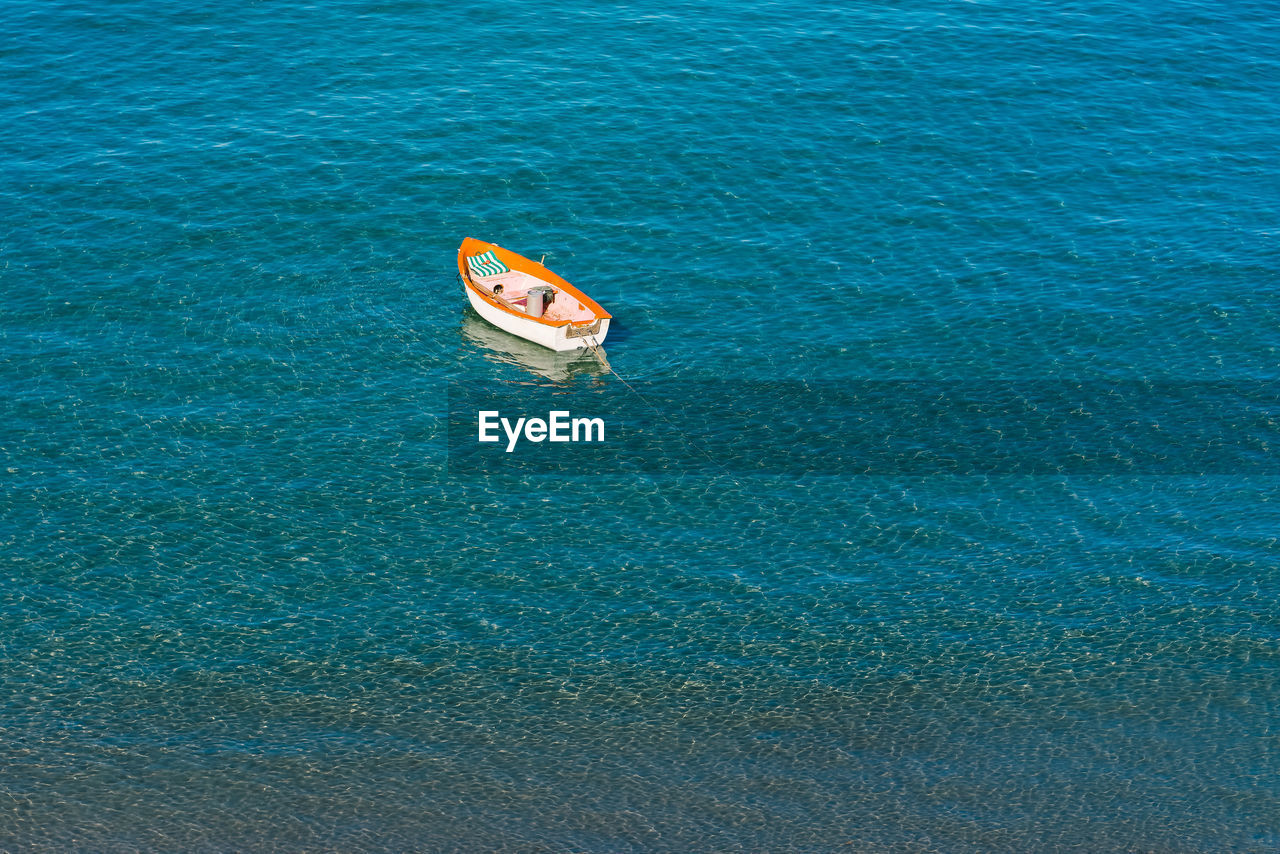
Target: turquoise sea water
(957, 531)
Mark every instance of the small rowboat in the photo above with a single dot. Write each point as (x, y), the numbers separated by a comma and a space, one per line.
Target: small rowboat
(526, 299)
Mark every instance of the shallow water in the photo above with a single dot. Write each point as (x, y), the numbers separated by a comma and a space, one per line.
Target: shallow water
(939, 509)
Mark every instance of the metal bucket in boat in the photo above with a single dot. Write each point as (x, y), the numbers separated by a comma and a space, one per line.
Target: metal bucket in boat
(540, 296)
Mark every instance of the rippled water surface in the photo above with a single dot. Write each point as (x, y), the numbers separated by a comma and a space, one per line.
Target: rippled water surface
(940, 515)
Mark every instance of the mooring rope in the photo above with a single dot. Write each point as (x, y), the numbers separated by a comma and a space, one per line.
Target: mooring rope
(599, 354)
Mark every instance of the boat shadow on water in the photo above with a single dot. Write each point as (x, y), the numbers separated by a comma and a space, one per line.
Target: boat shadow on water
(503, 348)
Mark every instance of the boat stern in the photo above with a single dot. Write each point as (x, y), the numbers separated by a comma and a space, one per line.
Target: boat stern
(582, 336)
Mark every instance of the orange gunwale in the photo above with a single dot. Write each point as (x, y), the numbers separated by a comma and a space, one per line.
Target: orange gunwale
(471, 246)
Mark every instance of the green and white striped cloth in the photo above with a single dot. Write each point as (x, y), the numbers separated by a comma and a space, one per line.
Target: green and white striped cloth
(486, 264)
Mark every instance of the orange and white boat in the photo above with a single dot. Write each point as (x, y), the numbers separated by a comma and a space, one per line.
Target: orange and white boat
(526, 299)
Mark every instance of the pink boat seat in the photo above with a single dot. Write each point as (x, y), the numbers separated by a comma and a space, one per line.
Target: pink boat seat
(514, 285)
(515, 289)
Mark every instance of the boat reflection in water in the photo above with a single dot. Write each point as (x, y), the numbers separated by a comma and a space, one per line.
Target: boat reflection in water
(507, 349)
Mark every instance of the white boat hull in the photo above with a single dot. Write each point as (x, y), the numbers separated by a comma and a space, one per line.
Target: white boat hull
(553, 337)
